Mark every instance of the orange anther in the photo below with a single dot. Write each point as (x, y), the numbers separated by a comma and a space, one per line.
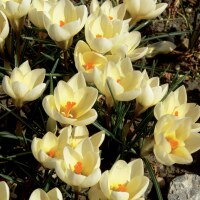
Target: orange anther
(78, 167)
(51, 153)
(99, 36)
(68, 108)
(110, 17)
(62, 23)
(176, 113)
(173, 143)
(89, 66)
(121, 188)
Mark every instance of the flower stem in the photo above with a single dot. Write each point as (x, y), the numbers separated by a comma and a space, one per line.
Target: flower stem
(65, 59)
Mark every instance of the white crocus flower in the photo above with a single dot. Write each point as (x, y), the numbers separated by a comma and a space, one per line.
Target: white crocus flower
(63, 21)
(40, 194)
(24, 84)
(144, 9)
(4, 191)
(72, 102)
(123, 181)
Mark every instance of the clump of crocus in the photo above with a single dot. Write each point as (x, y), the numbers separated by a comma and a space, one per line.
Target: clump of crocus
(174, 140)
(63, 21)
(4, 30)
(4, 191)
(144, 9)
(123, 181)
(24, 84)
(72, 102)
(40, 194)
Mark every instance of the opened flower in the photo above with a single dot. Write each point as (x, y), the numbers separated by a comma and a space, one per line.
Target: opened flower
(24, 84)
(4, 191)
(120, 80)
(4, 30)
(80, 168)
(144, 9)
(63, 21)
(174, 140)
(72, 102)
(176, 104)
(15, 12)
(40, 194)
(123, 181)
(151, 93)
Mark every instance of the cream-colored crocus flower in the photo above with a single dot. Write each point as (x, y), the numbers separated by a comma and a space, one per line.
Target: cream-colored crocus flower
(4, 30)
(15, 10)
(86, 60)
(63, 21)
(4, 191)
(127, 46)
(144, 9)
(151, 93)
(39, 194)
(120, 80)
(123, 181)
(72, 102)
(163, 47)
(80, 168)
(174, 141)
(37, 10)
(176, 104)
(24, 84)
(101, 33)
(117, 12)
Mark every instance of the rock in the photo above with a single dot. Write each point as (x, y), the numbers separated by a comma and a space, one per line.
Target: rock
(185, 187)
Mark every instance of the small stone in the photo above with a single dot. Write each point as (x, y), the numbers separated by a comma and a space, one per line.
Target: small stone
(185, 187)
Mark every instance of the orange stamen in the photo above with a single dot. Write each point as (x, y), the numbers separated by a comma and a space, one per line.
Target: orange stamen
(173, 143)
(99, 36)
(68, 108)
(51, 153)
(176, 113)
(78, 167)
(89, 66)
(118, 80)
(121, 188)
(62, 23)
(110, 17)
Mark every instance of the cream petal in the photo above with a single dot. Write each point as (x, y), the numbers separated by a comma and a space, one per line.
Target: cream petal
(38, 194)
(60, 172)
(25, 68)
(133, 7)
(6, 85)
(55, 194)
(84, 147)
(20, 89)
(119, 195)
(128, 95)
(35, 147)
(98, 138)
(146, 6)
(17, 75)
(11, 8)
(136, 168)
(35, 93)
(24, 7)
(159, 9)
(4, 190)
(101, 45)
(73, 27)
(48, 104)
(61, 118)
(195, 127)
(95, 193)
(77, 81)
(192, 143)
(49, 141)
(114, 87)
(104, 184)
(46, 161)
(138, 53)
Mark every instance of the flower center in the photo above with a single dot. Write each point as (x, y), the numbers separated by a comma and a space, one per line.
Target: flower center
(66, 110)
(52, 153)
(110, 17)
(89, 66)
(62, 23)
(173, 143)
(99, 36)
(78, 167)
(119, 188)
(118, 80)
(176, 113)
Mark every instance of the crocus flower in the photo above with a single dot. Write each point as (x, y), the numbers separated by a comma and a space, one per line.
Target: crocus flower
(72, 102)
(117, 12)
(80, 168)
(4, 191)
(37, 9)
(176, 104)
(40, 194)
(127, 46)
(4, 30)
(151, 93)
(144, 9)
(101, 33)
(63, 21)
(86, 60)
(120, 80)
(24, 84)
(174, 141)
(123, 181)
(15, 12)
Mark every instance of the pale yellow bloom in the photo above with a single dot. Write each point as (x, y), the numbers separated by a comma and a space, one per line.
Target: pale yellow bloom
(117, 12)
(72, 102)
(151, 93)
(15, 11)
(37, 10)
(127, 46)
(123, 81)
(174, 141)
(24, 84)
(86, 60)
(163, 47)
(63, 21)
(40, 194)
(4, 30)
(80, 168)
(4, 191)
(101, 33)
(123, 181)
(144, 9)
(176, 104)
